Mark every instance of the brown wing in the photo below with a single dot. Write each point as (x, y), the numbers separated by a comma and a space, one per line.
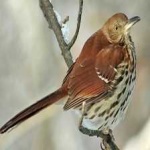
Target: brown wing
(87, 79)
(107, 61)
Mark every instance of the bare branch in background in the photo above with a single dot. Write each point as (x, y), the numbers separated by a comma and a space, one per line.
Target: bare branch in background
(51, 18)
(65, 20)
(57, 25)
(78, 24)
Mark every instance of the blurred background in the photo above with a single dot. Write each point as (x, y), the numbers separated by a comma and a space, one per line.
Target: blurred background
(31, 66)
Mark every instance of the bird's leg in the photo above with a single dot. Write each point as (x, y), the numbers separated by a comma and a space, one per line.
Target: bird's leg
(107, 136)
(85, 130)
(82, 115)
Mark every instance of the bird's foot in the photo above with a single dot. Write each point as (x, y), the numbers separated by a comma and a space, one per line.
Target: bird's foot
(85, 130)
(108, 142)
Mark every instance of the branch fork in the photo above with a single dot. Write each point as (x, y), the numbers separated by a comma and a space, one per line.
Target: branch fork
(54, 24)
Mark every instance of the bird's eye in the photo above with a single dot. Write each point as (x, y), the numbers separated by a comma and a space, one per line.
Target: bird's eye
(116, 27)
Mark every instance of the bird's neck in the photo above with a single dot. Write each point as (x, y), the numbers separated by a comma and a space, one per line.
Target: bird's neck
(131, 49)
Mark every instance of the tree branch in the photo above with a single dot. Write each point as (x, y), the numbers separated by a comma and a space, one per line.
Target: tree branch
(51, 18)
(78, 24)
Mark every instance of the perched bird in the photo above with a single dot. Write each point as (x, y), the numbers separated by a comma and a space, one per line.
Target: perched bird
(103, 76)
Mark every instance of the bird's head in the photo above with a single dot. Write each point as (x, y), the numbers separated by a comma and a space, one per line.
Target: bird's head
(118, 27)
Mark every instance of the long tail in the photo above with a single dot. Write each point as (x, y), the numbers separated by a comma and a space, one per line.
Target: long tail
(33, 109)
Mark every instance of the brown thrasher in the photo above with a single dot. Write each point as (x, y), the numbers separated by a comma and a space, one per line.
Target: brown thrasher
(102, 78)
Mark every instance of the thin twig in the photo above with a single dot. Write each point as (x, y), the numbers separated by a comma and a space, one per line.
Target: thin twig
(51, 18)
(78, 24)
(65, 20)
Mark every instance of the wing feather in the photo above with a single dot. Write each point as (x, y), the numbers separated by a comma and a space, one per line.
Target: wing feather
(85, 84)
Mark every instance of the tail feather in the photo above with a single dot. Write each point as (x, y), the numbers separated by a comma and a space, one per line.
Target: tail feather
(33, 109)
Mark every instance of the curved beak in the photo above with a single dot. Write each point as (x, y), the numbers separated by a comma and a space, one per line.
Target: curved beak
(131, 22)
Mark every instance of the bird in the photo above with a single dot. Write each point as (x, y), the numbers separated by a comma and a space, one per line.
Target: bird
(102, 77)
